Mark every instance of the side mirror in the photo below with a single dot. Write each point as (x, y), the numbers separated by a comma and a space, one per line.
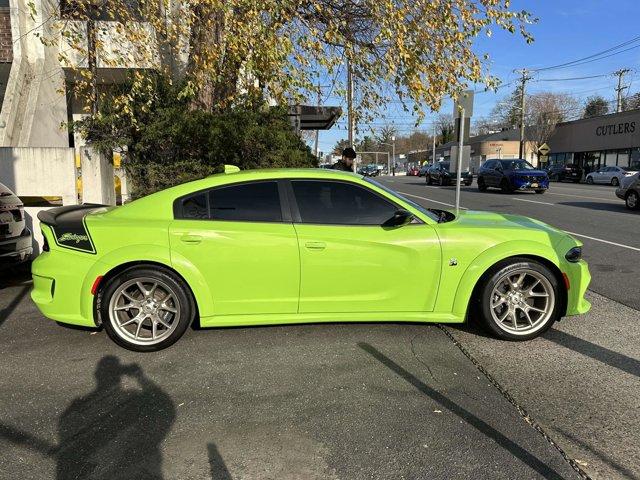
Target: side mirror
(399, 219)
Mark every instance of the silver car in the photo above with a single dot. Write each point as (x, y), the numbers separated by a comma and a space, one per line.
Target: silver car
(610, 175)
(15, 237)
(629, 191)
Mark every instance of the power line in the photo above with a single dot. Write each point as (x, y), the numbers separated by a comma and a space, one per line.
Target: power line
(592, 57)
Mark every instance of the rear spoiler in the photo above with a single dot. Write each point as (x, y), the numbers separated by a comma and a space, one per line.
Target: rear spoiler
(68, 226)
(53, 215)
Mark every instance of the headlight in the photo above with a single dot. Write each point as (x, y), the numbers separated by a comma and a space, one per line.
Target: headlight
(574, 255)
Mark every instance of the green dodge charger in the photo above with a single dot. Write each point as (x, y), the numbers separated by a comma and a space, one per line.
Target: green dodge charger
(270, 247)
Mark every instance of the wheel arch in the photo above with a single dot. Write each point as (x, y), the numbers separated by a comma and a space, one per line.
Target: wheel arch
(542, 260)
(118, 269)
(484, 265)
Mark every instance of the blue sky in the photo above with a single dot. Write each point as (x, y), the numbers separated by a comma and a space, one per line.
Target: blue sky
(567, 30)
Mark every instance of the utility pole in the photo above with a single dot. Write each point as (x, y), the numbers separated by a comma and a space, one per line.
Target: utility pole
(620, 73)
(523, 84)
(350, 118)
(393, 149)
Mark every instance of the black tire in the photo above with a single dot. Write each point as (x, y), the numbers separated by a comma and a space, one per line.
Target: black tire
(441, 181)
(498, 272)
(590, 180)
(576, 181)
(481, 186)
(428, 180)
(632, 200)
(615, 182)
(540, 191)
(505, 186)
(169, 280)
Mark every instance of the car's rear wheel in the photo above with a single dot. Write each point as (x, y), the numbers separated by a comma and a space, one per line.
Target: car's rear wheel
(519, 300)
(540, 191)
(428, 179)
(615, 182)
(632, 200)
(145, 309)
(481, 185)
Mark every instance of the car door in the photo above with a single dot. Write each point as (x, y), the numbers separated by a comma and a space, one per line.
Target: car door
(599, 175)
(242, 241)
(350, 262)
(490, 173)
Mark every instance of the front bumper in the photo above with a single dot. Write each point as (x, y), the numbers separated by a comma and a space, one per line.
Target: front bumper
(530, 185)
(621, 193)
(579, 279)
(17, 249)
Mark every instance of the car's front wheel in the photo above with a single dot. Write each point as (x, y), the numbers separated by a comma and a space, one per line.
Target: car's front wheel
(590, 180)
(615, 182)
(519, 300)
(481, 185)
(632, 200)
(145, 309)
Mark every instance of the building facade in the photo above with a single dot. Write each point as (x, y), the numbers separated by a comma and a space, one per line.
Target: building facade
(592, 143)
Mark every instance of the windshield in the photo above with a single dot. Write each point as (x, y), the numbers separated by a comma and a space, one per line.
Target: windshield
(420, 208)
(516, 165)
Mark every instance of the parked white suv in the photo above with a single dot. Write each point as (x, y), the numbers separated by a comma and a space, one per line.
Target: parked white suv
(610, 175)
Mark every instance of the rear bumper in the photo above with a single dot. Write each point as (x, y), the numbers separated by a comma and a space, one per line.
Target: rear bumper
(579, 279)
(59, 287)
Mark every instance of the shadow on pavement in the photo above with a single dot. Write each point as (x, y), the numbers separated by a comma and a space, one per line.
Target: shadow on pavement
(6, 311)
(607, 207)
(486, 429)
(112, 432)
(218, 468)
(589, 349)
(601, 455)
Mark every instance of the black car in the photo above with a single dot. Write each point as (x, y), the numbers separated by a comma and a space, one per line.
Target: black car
(569, 172)
(15, 237)
(512, 175)
(440, 174)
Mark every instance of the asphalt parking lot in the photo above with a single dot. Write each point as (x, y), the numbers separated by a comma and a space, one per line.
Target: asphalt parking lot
(342, 401)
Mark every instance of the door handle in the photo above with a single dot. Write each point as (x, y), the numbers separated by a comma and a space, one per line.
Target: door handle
(315, 245)
(191, 239)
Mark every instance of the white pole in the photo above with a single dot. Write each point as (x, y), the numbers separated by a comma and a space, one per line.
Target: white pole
(433, 157)
(458, 172)
(393, 148)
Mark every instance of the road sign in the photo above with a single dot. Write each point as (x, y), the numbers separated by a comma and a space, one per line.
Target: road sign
(543, 149)
(464, 102)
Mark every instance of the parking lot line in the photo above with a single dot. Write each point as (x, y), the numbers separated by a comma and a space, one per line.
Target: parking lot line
(430, 200)
(604, 241)
(533, 201)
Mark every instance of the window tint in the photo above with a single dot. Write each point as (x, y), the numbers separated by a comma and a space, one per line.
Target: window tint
(249, 202)
(489, 165)
(340, 203)
(195, 206)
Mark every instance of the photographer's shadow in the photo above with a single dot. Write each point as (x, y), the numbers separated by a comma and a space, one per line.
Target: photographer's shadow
(115, 432)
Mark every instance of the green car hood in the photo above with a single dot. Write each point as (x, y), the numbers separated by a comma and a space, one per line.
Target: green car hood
(504, 225)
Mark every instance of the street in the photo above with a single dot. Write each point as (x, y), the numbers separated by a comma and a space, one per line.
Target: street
(350, 401)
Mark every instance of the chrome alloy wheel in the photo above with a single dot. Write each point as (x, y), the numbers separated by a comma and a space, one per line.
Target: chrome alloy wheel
(522, 301)
(144, 311)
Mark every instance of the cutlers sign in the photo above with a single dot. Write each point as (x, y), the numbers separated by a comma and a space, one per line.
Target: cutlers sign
(616, 128)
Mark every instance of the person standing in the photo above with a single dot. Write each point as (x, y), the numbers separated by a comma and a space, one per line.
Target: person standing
(346, 162)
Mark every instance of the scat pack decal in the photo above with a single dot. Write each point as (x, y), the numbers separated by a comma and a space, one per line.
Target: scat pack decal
(75, 238)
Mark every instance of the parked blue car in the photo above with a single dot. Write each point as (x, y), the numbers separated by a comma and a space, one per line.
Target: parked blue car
(511, 175)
